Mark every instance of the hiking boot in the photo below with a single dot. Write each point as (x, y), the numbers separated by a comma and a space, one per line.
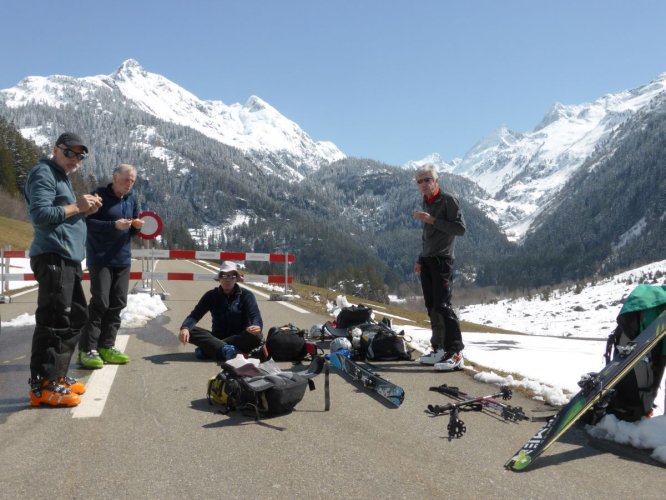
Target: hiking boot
(452, 361)
(432, 357)
(72, 384)
(113, 356)
(90, 360)
(226, 352)
(52, 393)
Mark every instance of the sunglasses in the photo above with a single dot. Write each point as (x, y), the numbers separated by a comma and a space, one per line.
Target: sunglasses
(227, 276)
(73, 154)
(425, 179)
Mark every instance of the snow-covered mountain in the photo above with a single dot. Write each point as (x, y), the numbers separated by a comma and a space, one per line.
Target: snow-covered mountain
(435, 159)
(195, 158)
(524, 172)
(254, 127)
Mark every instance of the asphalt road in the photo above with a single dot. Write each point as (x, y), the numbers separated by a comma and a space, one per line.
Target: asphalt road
(157, 436)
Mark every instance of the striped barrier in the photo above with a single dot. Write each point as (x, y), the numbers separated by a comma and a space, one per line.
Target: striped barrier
(187, 255)
(148, 277)
(276, 280)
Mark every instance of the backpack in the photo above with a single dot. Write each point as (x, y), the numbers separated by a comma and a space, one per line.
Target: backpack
(260, 389)
(287, 343)
(380, 343)
(353, 315)
(635, 394)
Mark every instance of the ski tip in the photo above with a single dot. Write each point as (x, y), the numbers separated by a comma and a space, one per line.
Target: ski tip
(519, 462)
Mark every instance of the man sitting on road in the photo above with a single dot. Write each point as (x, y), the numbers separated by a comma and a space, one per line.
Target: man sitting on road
(235, 317)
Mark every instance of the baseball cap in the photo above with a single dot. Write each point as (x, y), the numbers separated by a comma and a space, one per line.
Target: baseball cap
(70, 140)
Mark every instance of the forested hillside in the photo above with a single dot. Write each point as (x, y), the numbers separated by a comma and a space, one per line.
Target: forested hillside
(350, 223)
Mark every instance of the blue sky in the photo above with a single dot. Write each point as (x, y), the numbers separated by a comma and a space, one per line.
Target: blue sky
(389, 80)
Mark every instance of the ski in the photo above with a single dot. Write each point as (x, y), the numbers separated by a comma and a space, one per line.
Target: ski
(368, 378)
(456, 427)
(490, 405)
(596, 389)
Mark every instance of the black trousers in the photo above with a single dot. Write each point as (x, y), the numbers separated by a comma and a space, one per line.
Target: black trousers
(108, 289)
(60, 315)
(436, 284)
(211, 345)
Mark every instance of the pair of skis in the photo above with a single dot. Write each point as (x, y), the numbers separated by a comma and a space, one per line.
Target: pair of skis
(465, 402)
(368, 378)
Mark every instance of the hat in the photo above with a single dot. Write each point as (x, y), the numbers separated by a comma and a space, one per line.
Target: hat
(228, 267)
(70, 139)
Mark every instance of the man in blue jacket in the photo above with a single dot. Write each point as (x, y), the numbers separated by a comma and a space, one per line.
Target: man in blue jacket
(235, 317)
(109, 257)
(58, 220)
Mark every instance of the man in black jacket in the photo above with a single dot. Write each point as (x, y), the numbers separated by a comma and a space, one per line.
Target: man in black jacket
(235, 317)
(442, 222)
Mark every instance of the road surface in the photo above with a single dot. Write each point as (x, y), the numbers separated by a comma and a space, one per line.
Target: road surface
(157, 437)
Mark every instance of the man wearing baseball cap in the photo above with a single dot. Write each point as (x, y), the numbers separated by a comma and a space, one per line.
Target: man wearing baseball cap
(58, 247)
(235, 317)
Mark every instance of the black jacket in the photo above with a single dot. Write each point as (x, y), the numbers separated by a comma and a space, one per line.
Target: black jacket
(230, 315)
(439, 238)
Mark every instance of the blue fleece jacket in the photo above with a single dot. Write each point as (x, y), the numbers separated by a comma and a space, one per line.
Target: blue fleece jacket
(47, 191)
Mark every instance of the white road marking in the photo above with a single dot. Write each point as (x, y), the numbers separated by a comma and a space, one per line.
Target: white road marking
(99, 386)
(292, 306)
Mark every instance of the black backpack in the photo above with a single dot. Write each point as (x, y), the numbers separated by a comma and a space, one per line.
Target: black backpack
(260, 389)
(635, 394)
(381, 343)
(353, 315)
(287, 343)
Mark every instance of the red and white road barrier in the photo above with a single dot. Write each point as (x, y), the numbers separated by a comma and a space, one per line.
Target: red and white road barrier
(212, 255)
(152, 254)
(277, 280)
(185, 254)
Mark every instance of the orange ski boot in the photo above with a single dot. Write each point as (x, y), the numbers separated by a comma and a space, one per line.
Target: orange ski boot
(73, 385)
(52, 393)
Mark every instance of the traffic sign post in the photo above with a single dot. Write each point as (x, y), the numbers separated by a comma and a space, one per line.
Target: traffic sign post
(152, 228)
(152, 225)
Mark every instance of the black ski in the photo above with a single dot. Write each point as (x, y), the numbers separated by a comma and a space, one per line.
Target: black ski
(368, 378)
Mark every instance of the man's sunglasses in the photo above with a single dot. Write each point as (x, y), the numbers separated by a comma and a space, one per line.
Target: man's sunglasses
(73, 154)
(425, 179)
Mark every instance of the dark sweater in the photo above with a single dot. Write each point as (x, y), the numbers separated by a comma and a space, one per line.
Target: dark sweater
(106, 245)
(230, 314)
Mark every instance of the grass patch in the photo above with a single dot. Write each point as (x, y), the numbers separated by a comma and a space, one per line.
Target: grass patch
(15, 234)
(314, 299)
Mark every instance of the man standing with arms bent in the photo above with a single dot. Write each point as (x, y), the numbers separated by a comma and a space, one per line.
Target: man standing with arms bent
(442, 222)
(109, 256)
(58, 219)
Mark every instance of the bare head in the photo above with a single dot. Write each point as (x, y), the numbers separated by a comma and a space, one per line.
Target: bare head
(426, 178)
(124, 177)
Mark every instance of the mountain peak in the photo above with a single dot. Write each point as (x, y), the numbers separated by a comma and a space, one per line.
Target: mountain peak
(255, 104)
(128, 69)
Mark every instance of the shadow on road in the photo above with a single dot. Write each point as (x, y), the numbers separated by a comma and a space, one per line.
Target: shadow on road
(589, 446)
(174, 357)
(233, 418)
